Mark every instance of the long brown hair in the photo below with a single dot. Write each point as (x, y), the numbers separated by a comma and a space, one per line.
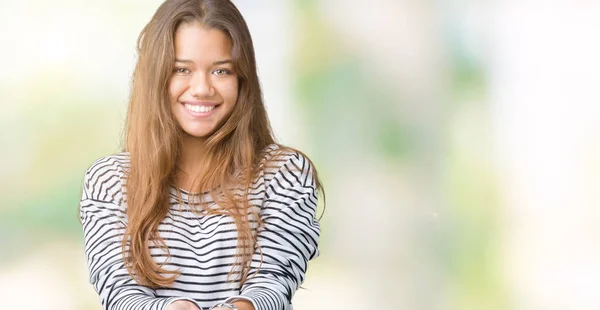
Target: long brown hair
(153, 138)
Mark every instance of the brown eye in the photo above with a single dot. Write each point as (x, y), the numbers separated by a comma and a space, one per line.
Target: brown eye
(222, 72)
(181, 71)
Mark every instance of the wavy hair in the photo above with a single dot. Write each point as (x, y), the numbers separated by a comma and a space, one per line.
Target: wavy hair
(153, 138)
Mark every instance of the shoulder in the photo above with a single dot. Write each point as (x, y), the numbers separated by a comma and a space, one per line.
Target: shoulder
(288, 163)
(107, 167)
(291, 184)
(276, 156)
(104, 177)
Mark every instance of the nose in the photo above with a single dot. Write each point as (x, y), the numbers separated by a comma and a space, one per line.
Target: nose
(200, 86)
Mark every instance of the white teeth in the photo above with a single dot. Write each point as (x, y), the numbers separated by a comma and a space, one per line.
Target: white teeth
(199, 108)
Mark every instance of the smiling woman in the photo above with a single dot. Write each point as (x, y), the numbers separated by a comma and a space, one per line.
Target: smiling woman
(202, 209)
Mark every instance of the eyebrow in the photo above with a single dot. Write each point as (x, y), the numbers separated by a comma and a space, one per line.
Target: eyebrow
(216, 63)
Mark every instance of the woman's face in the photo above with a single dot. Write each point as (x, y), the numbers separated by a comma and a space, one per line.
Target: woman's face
(203, 84)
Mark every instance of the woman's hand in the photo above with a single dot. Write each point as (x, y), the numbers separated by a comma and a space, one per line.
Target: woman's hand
(244, 305)
(240, 304)
(182, 305)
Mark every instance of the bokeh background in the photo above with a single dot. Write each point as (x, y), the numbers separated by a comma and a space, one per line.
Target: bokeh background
(458, 140)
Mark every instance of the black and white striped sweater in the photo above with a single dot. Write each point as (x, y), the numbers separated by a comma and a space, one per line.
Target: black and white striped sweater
(202, 246)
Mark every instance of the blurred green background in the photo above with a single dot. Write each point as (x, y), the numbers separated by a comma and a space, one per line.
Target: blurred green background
(458, 142)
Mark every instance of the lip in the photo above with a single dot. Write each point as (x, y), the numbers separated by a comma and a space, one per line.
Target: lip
(200, 103)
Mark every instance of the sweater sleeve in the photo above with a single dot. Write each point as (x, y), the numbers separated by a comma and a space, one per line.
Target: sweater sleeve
(288, 238)
(103, 217)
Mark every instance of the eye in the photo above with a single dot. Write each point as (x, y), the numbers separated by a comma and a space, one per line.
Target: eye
(221, 72)
(181, 71)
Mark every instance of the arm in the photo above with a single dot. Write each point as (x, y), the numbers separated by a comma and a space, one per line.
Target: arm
(103, 218)
(288, 239)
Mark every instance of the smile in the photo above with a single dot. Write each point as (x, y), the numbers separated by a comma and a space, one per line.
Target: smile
(199, 108)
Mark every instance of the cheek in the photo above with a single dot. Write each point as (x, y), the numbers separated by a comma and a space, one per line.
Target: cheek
(176, 88)
(230, 92)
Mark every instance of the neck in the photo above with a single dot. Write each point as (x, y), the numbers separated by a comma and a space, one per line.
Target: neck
(190, 160)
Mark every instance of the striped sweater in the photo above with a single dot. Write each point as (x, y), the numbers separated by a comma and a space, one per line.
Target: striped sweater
(202, 246)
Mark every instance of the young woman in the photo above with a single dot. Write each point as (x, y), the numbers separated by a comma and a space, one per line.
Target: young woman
(202, 209)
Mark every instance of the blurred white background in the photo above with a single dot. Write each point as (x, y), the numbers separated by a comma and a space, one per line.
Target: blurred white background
(459, 143)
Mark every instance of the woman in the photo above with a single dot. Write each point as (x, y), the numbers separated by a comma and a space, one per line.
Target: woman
(202, 209)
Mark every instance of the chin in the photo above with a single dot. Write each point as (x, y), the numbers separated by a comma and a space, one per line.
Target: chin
(200, 133)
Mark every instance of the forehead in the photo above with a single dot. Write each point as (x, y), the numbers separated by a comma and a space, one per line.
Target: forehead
(199, 44)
